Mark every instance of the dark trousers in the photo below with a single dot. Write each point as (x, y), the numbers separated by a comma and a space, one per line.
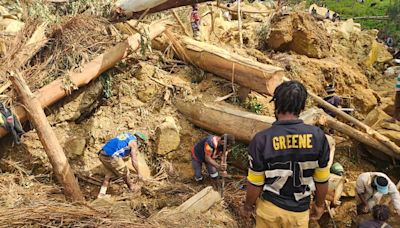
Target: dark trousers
(396, 114)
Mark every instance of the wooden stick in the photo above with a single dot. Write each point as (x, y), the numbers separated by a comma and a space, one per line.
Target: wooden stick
(180, 22)
(48, 138)
(240, 24)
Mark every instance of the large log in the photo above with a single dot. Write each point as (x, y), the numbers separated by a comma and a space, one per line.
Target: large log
(52, 146)
(383, 140)
(222, 118)
(244, 125)
(244, 71)
(356, 134)
(55, 91)
(132, 9)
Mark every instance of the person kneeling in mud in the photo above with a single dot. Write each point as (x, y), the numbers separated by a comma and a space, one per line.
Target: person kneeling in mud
(206, 151)
(112, 154)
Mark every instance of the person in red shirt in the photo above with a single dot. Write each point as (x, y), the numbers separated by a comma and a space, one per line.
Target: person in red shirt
(206, 151)
(195, 21)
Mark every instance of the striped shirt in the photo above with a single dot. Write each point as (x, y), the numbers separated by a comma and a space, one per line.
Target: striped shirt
(398, 83)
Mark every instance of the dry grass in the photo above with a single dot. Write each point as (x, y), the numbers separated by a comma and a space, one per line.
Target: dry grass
(26, 202)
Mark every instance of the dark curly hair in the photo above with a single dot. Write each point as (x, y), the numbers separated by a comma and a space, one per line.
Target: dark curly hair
(380, 212)
(290, 97)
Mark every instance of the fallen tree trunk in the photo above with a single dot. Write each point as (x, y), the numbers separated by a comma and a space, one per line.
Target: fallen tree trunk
(376, 135)
(259, 77)
(132, 9)
(222, 119)
(356, 134)
(244, 125)
(51, 145)
(54, 91)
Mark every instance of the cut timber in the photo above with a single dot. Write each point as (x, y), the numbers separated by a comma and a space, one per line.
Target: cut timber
(259, 77)
(134, 8)
(244, 125)
(383, 140)
(200, 202)
(356, 134)
(221, 119)
(51, 145)
(55, 91)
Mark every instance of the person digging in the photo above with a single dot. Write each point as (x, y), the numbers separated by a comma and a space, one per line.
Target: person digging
(206, 151)
(371, 187)
(113, 153)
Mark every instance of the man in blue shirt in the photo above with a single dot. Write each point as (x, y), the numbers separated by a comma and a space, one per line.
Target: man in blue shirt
(112, 155)
(396, 114)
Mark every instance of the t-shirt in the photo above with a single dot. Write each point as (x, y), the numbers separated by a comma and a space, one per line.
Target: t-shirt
(119, 146)
(208, 146)
(364, 187)
(373, 224)
(286, 159)
(398, 83)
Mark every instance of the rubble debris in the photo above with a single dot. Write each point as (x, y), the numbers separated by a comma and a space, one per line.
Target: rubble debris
(167, 136)
(51, 93)
(300, 33)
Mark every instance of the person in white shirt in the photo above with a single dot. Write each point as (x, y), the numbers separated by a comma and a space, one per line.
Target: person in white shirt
(370, 188)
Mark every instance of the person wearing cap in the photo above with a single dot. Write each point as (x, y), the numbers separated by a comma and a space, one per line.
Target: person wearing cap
(332, 99)
(206, 151)
(370, 188)
(112, 156)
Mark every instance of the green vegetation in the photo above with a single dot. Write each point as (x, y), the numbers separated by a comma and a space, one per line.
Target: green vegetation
(354, 8)
(253, 105)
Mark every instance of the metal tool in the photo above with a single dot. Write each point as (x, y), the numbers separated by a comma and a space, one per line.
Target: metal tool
(223, 162)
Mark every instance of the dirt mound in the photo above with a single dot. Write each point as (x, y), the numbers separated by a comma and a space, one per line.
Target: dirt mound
(300, 33)
(317, 73)
(360, 45)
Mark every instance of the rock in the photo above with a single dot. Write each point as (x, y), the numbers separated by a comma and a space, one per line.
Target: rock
(11, 26)
(145, 71)
(375, 118)
(349, 189)
(147, 93)
(364, 99)
(79, 104)
(300, 33)
(75, 147)
(168, 138)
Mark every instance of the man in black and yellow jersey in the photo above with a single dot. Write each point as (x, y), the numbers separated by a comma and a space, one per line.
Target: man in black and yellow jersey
(288, 162)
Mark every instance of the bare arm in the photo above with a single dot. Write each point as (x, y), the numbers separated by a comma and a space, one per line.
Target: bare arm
(212, 162)
(320, 193)
(134, 153)
(252, 194)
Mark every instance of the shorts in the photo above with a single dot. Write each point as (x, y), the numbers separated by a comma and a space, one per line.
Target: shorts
(271, 216)
(114, 166)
